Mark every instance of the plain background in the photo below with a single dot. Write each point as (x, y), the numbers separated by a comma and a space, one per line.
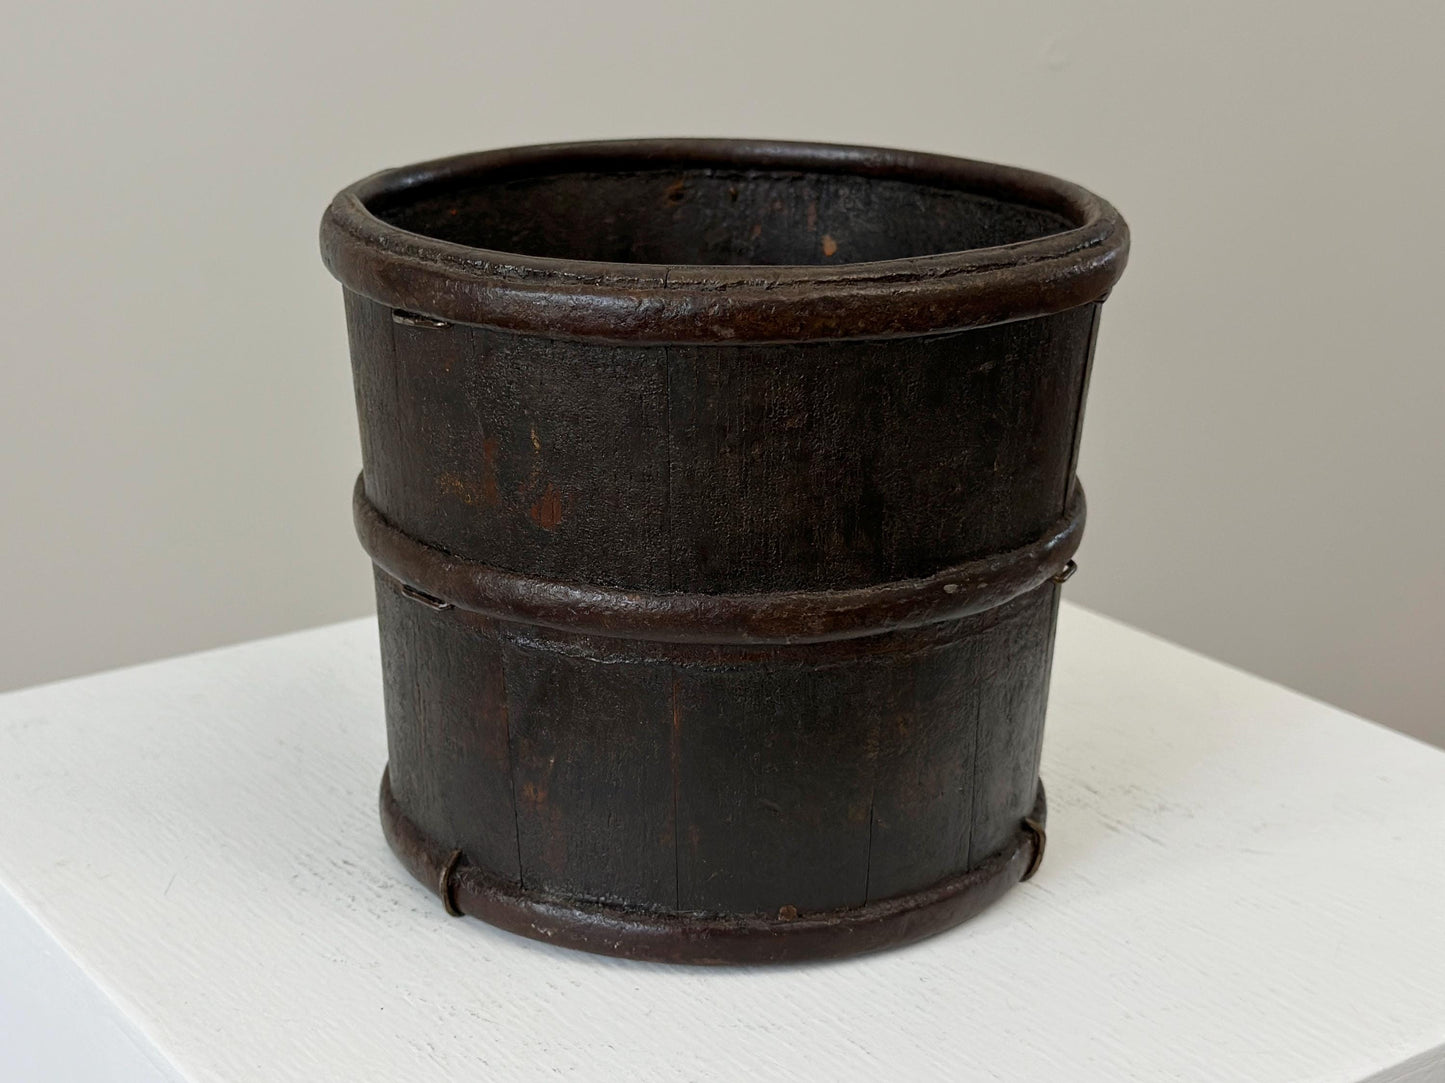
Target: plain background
(1265, 444)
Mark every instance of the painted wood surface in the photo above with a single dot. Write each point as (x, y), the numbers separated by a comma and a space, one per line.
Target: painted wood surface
(707, 782)
(738, 370)
(1242, 884)
(803, 466)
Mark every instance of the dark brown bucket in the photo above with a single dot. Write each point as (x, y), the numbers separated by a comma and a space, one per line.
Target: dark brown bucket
(719, 494)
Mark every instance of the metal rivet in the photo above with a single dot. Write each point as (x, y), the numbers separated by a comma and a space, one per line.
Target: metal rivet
(428, 600)
(1066, 573)
(444, 884)
(1040, 839)
(416, 319)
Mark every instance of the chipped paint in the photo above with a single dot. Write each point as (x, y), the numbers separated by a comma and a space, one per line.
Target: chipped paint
(468, 491)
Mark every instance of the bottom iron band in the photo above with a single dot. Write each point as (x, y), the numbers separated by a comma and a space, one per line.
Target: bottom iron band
(710, 939)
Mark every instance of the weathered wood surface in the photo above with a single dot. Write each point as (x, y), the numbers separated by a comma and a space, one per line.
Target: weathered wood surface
(731, 469)
(684, 468)
(756, 776)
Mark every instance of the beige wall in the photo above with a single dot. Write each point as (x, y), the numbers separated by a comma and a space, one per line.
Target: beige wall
(1264, 451)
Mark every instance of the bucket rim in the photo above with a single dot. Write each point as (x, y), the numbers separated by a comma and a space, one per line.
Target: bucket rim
(725, 303)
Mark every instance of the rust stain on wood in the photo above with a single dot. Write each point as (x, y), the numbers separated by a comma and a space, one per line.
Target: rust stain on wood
(472, 492)
(547, 511)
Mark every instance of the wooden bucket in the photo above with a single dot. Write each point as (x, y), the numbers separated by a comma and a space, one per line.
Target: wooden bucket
(719, 494)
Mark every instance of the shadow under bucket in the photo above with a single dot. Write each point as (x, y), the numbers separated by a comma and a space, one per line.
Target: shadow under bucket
(719, 495)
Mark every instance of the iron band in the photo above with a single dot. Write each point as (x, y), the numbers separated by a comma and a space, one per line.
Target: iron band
(433, 577)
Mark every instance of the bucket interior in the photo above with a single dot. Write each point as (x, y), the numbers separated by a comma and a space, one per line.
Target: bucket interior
(695, 214)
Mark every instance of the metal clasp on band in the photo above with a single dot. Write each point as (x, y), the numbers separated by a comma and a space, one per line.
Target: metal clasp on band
(1036, 829)
(444, 884)
(428, 600)
(416, 319)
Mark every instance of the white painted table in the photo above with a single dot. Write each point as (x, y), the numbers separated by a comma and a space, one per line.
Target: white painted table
(1241, 884)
